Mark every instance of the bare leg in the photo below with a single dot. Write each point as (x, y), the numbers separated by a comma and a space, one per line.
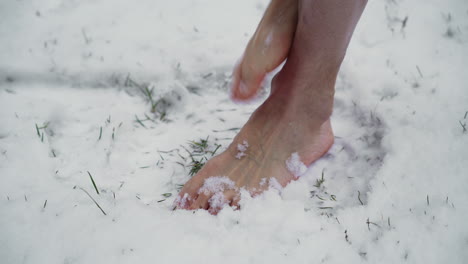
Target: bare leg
(292, 127)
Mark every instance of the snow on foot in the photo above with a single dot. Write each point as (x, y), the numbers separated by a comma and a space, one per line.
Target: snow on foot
(242, 148)
(217, 202)
(263, 181)
(216, 185)
(271, 183)
(274, 184)
(295, 165)
(182, 201)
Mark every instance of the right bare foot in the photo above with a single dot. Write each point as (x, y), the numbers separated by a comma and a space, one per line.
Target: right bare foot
(282, 137)
(291, 129)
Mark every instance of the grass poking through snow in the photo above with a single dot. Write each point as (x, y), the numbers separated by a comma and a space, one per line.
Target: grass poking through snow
(199, 153)
(40, 130)
(94, 183)
(320, 181)
(359, 197)
(100, 133)
(89, 195)
(148, 93)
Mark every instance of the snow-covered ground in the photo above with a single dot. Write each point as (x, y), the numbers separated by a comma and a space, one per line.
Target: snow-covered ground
(395, 184)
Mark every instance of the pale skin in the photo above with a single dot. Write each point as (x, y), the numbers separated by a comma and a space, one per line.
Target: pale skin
(313, 36)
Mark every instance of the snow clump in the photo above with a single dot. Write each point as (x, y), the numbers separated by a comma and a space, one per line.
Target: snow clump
(242, 148)
(181, 202)
(217, 201)
(295, 165)
(216, 185)
(274, 184)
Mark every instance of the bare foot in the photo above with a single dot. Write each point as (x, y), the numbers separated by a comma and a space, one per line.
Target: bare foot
(272, 149)
(267, 48)
(291, 129)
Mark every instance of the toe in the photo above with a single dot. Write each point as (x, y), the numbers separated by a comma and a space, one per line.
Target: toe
(182, 201)
(219, 200)
(235, 202)
(232, 198)
(247, 79)
(188, 194)
(201, 202)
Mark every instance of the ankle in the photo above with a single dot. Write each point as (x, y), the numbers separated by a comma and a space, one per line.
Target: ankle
(310, 97)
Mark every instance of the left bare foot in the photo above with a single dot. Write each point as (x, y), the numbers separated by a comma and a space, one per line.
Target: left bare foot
(275, 147)
(267, 48)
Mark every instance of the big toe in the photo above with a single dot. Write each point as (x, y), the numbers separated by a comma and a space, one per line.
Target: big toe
(188, 195)
(218, 200)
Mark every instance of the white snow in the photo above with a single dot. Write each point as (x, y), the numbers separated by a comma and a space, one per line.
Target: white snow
(217, 201)
(274, 184)
(395, 181)
(217, 184)
(242, 148)
(181, 202)
(295, 165)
